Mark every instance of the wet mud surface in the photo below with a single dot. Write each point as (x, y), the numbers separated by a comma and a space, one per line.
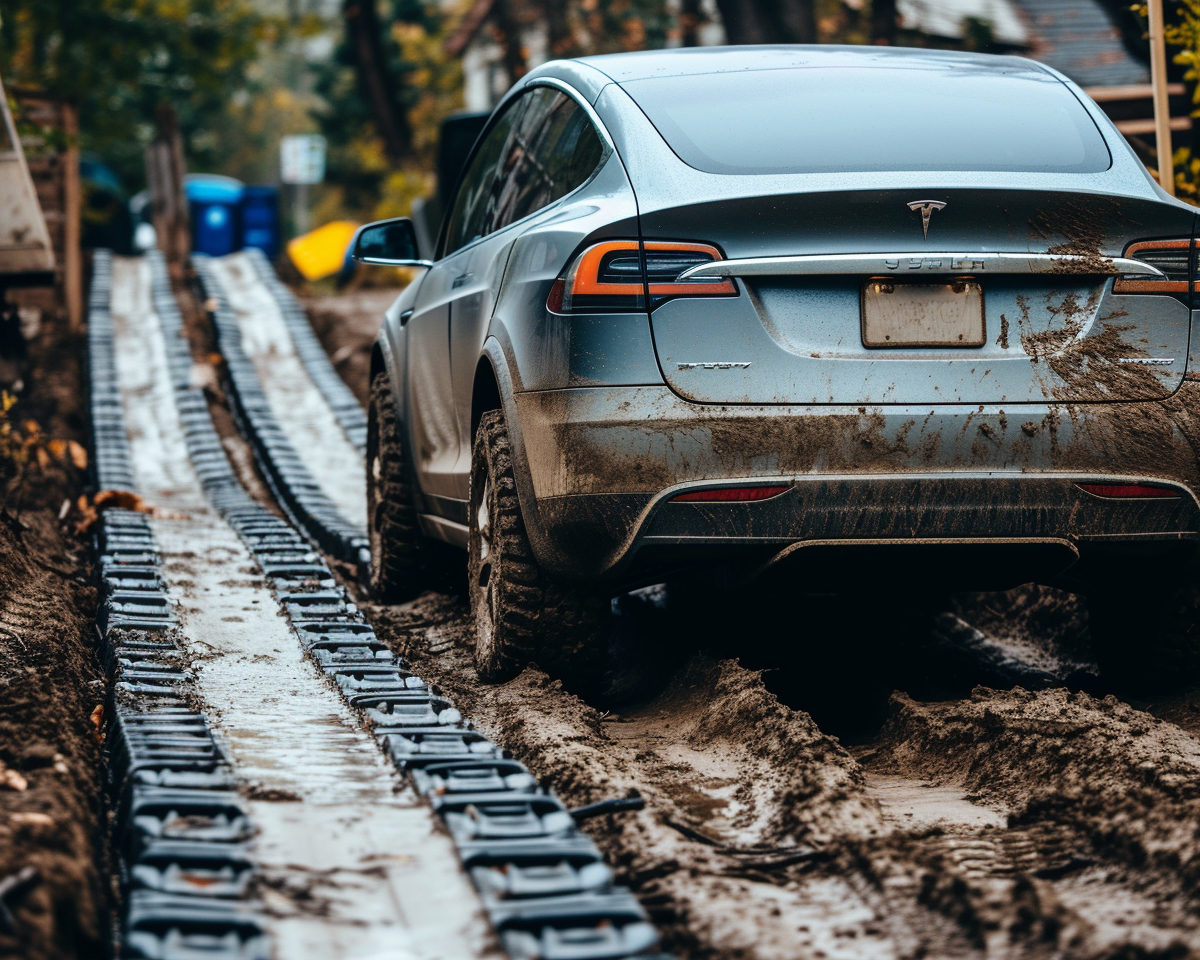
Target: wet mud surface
(346, 324)
(848, 777)
(798, 806)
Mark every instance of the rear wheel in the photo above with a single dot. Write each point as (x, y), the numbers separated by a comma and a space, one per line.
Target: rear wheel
(1146, 633)
(522, 614)
(397, 547)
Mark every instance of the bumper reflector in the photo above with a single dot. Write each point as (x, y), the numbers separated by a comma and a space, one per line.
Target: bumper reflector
(1122, 491)
(731, 494)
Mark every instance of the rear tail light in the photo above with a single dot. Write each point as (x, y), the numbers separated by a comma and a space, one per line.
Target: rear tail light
(1175, 258)
(617, 276)
(731, 494)
(1130, 491)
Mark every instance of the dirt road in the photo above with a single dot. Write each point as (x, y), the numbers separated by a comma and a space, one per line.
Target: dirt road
(828, 784)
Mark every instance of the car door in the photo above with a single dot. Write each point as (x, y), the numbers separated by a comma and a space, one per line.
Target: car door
(432, 424)
(551, 150)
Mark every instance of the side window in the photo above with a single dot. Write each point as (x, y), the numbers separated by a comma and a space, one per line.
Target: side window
(472, 203)
(542, 148)
(555, 149)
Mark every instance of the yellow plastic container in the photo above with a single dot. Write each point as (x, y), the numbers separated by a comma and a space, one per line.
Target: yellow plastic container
(320, 253)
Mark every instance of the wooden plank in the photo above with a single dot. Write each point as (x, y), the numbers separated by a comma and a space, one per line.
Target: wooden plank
(1139, 127)
(73, 227)
(1162, 109)
(1133, 91)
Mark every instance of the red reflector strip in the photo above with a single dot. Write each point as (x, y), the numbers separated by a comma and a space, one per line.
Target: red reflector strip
(1142, 491)
(730, 494)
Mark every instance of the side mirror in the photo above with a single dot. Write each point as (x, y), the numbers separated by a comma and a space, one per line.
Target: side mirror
(388, 243)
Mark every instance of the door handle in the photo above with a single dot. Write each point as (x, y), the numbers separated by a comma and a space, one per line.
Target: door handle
(461, 280)
(406, 316)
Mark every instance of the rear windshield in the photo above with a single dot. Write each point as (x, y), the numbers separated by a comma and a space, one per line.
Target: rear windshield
(861, 119)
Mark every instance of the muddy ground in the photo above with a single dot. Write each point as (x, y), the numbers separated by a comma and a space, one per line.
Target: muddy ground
(50, 682)
(346, 324)
(824, 778)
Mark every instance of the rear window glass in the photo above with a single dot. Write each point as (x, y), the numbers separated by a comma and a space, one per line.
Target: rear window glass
(861, 119)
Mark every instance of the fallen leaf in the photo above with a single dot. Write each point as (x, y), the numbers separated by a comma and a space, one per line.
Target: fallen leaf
(97, 716)
(121, 500)
(78, 453)
(12, 779)
(32, 819)
(43, 458)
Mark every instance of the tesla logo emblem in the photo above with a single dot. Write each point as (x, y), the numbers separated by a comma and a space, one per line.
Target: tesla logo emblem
(926, 207)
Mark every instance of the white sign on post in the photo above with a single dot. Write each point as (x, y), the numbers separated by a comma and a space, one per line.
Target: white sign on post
(302, 158)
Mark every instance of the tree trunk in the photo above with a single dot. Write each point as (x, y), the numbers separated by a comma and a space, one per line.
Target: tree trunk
(508, 35)
(743, 23)
(168, 204)
(689, 23)
(558, 30)
(769, 21)
(797, 20)
(365, 33)
(883, 22)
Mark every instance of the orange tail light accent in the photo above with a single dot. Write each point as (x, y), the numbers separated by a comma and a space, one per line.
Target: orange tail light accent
(616, 275)
(1173, 257)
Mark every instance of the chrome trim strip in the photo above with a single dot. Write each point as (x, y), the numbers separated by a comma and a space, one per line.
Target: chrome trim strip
(923, 263)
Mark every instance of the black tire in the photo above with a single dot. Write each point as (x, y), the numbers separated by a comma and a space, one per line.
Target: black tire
(520, 613)
(1146, 632)
(397, 547)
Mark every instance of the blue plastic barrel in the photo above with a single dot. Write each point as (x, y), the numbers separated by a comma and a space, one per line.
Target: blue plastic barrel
(260, 219)
(214, 204)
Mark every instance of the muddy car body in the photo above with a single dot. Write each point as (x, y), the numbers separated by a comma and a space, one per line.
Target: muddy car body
(716, 351)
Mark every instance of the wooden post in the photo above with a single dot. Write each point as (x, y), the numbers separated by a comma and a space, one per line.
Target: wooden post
(72, 224)
(164, 173)
(1162, 107)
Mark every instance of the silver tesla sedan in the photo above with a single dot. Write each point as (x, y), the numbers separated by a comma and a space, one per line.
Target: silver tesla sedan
(895, 320)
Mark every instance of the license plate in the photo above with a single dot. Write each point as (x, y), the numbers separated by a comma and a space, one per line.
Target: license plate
(922, 314)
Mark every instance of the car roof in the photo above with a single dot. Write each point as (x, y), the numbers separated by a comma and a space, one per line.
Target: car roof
(686, 61)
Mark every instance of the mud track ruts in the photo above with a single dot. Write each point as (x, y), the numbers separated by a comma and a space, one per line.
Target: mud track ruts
(542, 882)
(764, 836)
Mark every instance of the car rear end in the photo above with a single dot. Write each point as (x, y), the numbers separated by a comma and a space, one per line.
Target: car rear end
(916, 302)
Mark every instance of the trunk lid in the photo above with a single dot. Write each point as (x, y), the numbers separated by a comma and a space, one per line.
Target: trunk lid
(1051, 336)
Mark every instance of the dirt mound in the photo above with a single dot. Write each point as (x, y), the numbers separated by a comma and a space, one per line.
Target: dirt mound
(50, 683)
(1126, 781)
(48, 744)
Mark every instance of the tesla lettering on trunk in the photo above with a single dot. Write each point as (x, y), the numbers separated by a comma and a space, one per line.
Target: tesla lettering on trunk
(927, 263)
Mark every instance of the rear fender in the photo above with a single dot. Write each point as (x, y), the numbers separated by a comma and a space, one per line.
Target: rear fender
(542, 546)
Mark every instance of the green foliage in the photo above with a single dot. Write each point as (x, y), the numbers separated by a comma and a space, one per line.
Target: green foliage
(1182, 30)
(360, 181)
(119, 59)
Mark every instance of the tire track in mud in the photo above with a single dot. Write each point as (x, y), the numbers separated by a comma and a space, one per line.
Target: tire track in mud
(1008, 824)
(999, 823)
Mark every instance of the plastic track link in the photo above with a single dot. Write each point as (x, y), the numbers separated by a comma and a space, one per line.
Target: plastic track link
(290, 480)
(544, 884)
(342, 402)
(179, 826)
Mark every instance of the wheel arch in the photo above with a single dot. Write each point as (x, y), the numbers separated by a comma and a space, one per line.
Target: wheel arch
(485, 392)
(495, 360)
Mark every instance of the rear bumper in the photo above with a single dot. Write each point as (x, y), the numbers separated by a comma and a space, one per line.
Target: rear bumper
(600, 468)
(1001, 530)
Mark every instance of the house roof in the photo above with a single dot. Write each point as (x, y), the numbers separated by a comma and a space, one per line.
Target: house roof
(944, 18)
(1077, 38)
